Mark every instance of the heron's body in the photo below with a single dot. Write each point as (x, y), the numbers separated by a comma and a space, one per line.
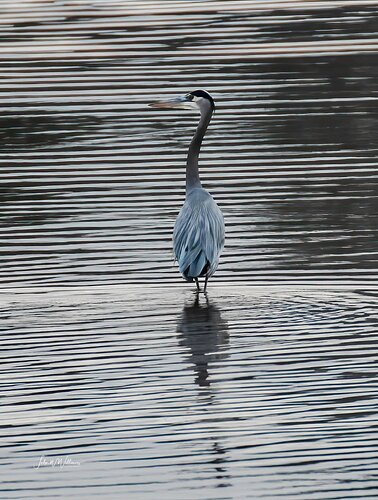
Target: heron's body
(198, 235)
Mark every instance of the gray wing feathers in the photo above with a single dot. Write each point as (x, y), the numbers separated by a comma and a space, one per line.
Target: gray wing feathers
(198, 236)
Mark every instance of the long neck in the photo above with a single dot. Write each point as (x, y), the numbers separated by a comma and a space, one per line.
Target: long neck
(192, 174)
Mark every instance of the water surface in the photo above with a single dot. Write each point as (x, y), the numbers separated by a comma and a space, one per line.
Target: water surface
(92, 179)
(267, 387)
(254, 393)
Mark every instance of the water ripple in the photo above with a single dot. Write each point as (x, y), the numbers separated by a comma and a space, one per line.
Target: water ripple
(107, 357)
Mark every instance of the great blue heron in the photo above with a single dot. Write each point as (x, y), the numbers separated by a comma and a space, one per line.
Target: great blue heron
(198, 235)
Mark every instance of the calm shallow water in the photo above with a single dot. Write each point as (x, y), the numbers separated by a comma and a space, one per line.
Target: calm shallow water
(107, 357)
(92, 179)
(253, 394)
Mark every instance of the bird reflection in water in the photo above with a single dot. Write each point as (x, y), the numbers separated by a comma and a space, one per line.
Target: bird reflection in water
(205, 334)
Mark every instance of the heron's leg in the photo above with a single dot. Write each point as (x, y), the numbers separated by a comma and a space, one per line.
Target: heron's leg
(206, 280)
(198, 287)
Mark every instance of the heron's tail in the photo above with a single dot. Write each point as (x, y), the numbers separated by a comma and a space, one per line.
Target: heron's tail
(198, 267)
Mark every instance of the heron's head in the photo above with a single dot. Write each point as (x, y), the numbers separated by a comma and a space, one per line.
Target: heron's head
(199, 99)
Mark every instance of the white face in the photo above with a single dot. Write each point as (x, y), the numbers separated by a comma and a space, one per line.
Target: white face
(193, 101)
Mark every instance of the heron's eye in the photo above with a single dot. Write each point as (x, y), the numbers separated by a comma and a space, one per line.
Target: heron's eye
(190, 97)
